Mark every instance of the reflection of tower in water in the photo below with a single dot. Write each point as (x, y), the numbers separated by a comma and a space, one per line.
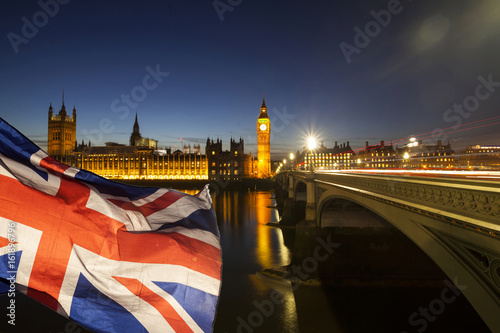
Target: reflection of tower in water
(270, 251)
(270, 248)
(234, 207)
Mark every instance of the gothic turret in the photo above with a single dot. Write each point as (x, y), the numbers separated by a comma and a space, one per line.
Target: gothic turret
(136, 135)
(263, 109)
(62, 112)
(61, 138)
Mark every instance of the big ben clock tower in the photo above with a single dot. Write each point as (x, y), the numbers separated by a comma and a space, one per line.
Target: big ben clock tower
(263, 143)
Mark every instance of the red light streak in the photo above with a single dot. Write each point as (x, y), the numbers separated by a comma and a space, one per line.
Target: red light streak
(446, 128)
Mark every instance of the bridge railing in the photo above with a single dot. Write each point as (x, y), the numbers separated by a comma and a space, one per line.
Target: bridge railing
(476, 201)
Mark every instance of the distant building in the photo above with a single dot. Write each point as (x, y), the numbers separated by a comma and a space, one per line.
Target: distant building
(137, 140)
(480, 157)
(140, 164)
(416, 155)
(230, 164)
(338, 157)
(61, 139)
(186, 149)
(379, 156)
(263, 143)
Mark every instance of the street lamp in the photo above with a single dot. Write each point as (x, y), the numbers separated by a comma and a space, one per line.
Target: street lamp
(406, 158)
(291, 160)
(311, 145)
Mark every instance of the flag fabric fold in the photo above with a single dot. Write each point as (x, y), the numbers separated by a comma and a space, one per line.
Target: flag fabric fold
(110, 256)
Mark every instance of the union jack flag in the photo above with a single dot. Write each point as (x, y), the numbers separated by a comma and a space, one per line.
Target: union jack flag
(112, 257)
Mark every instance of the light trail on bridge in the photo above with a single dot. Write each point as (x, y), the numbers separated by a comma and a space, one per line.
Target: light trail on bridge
(486, 175)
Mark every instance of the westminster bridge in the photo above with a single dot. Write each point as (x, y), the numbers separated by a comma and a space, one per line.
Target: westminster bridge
(453, 217)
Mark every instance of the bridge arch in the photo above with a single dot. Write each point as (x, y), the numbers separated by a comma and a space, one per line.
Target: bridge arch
(341, 211)
(300, 188)
(460, 251)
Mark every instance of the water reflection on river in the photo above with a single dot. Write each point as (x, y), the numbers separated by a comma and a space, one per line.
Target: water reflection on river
(249, 245)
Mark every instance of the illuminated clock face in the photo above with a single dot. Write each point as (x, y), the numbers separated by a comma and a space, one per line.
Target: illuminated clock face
(263, 127)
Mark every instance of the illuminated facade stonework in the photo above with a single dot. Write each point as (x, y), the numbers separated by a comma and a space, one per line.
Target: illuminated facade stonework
(379, 156)
(141, 164)
(338, 157)
(140, 160)
(230, 164)
(416, 155)
(480, 157)
(61, 139)
(263, 143)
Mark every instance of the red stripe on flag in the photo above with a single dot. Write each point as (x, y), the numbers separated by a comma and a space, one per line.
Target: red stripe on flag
(158, 302)
(4, 242)
(63, 219)
(151, 207)
(165, 248)
(51, 164)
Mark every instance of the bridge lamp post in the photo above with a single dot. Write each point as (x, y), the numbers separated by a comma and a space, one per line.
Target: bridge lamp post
(291, 160)
(406, 158)
(311, 145)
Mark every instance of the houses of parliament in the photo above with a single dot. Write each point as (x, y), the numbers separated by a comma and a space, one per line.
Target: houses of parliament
(142, 158)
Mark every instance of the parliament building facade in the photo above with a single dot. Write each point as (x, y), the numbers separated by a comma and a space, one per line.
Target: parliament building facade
(142, 159)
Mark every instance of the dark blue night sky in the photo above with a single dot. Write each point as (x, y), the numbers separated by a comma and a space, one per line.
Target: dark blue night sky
(189, 74)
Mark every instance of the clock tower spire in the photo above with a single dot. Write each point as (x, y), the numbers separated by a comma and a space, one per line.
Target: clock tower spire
(263, 142)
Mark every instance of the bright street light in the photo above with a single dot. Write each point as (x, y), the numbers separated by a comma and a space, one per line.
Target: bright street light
(311, 143)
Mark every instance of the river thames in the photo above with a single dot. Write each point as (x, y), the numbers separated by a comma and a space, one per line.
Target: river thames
(252, 302)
